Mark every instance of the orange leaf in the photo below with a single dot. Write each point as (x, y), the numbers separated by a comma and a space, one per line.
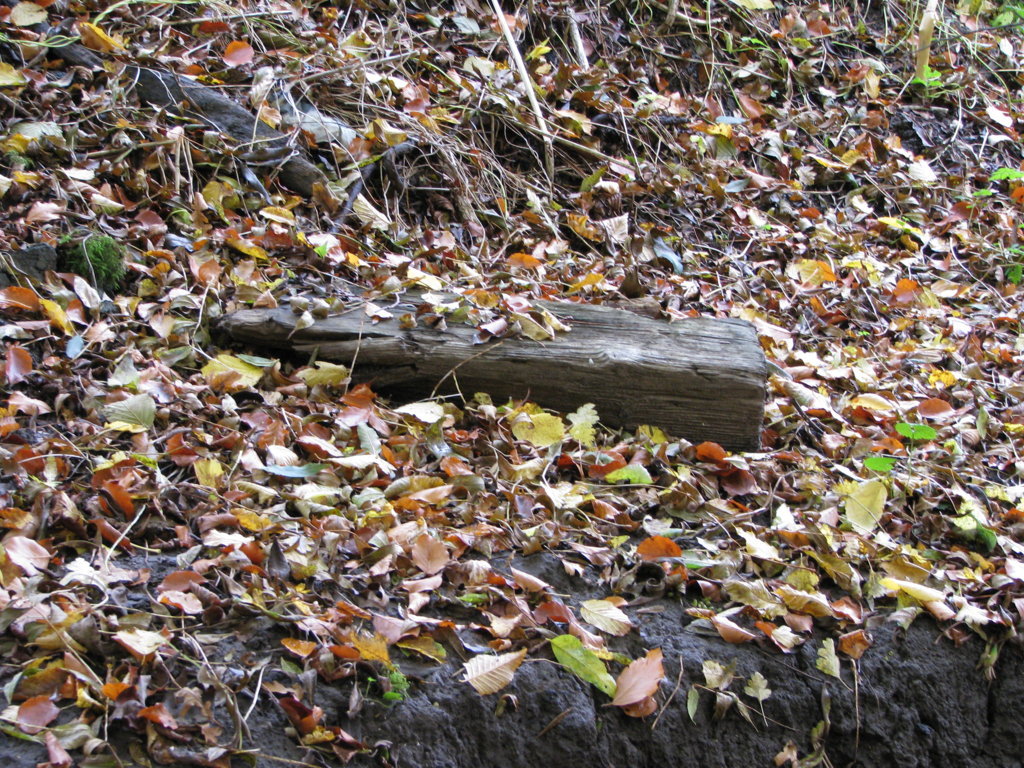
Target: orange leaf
(853, 644)
(114, 497)
(19, 364)
(238, 53)
(524, 260)
(16, 297)
(114, 689)
(639, 680)
(657, 547)
(301, 648)
(906, 290)
(158, 714)
(730, 631)
(708, 451)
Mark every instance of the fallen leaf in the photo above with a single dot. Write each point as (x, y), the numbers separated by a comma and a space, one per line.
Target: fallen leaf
(605, 616)
(489, 674)
(238, 53)
(582, 662)
(639, 680)
(36, 713)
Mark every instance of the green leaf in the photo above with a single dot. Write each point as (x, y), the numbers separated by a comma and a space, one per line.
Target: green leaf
(972, 529)
(880, 463)
(1003, 174)
(916, 431)
(589, 182)
(583, 663)
(260, 362)
(324, 374)
(634, 474)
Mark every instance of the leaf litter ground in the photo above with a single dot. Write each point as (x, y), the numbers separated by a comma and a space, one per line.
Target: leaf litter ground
(213, 557)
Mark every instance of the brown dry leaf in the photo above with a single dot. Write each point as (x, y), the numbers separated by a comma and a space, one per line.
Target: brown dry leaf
(18, 365)
(855, 643)
(185, 602)
(430, 555)
(529, 582)
(730, 631)
(141, 643)
(36, 713)
(27, 554)
(639, 680)
(489, 674)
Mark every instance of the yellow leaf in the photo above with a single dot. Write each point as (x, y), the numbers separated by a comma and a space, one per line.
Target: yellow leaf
(372, 647)
(278, 214)
(95, 38)
(756, 5)
(815, 271)
(540, 429)
(873, 402)
(865, 505)
(58, 317)
(370, 216)
(249, 249)
(9, 76)
(325, 374)
(806, 602)
(425, 645)
(252, 521)
(248, 374)
(583, 421)
(919, 592)
(208, 472)
(605, 616)
(27, 15)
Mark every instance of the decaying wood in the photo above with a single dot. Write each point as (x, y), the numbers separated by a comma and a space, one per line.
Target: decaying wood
(700, 378)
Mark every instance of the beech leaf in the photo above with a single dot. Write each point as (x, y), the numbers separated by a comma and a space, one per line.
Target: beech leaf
(489, 674)
(639, 680)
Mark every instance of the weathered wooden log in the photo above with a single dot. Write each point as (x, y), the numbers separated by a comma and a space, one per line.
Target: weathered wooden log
(700, 378)
(165, 89)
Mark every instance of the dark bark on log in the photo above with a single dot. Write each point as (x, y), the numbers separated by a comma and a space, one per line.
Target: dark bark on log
(700, 378)
(164, 89)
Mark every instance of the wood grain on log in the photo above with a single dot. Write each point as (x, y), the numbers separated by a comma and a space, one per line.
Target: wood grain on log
(699, 378)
